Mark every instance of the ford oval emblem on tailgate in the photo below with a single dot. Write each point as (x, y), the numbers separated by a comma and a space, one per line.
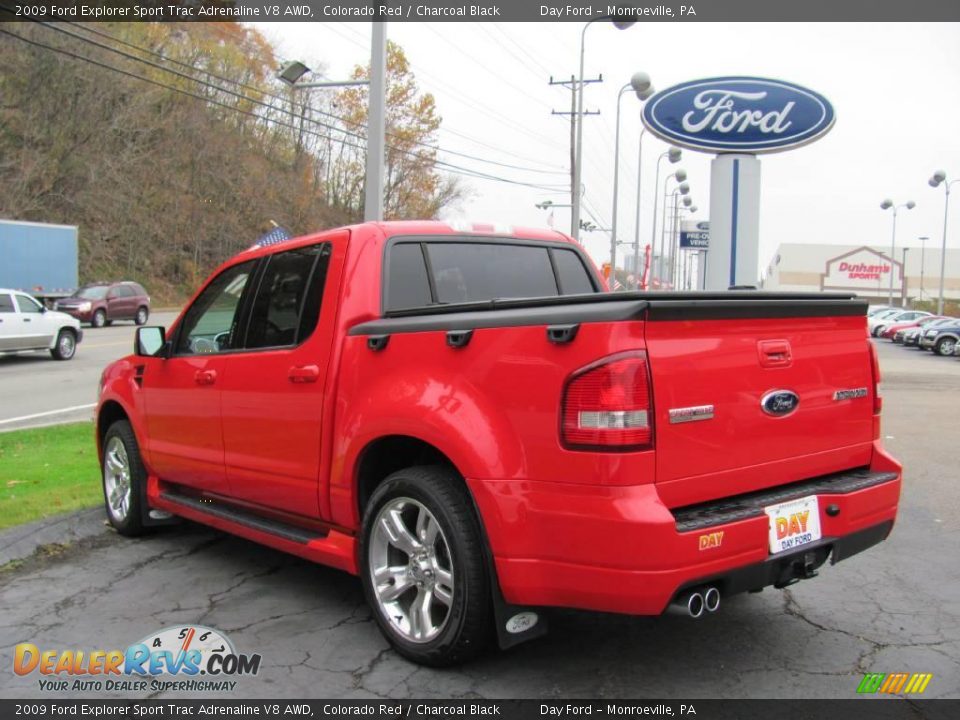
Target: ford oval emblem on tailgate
(779, 402)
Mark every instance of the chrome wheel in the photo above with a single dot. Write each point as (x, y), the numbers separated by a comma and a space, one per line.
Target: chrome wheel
(66, 345)
(411, 570)
(116, 479)
(946, 346)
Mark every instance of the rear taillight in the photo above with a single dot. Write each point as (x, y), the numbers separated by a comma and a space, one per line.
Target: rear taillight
(607, 405)
(875, 374)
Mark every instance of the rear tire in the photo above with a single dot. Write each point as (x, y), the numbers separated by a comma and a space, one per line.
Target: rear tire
(431, 601)
(142, 316)
(99, 319)
(124, 479)
(66, 345)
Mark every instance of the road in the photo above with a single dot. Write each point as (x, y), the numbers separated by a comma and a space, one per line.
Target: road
(38, 390)
(894, 608)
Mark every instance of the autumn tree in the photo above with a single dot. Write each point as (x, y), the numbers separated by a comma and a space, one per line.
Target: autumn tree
(172, 154)
(413, 186)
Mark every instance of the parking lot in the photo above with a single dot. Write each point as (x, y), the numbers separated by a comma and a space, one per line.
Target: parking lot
(896, 608)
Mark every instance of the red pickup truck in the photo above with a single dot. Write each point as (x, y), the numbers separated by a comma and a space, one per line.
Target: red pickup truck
(471, 424)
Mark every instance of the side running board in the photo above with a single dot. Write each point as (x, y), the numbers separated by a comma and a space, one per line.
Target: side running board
(245, 518)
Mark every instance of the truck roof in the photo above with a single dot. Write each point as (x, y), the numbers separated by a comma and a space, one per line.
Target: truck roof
(393, 228)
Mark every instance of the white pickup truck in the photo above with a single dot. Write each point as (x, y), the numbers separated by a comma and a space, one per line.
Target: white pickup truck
(25, 324)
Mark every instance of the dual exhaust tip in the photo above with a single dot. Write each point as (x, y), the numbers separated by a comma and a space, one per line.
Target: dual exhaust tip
(694, 603)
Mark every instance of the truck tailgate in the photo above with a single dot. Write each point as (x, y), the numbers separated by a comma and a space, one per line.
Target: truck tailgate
(714, 438)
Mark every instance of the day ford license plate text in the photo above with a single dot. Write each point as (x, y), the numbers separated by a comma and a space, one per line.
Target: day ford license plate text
(793, 524)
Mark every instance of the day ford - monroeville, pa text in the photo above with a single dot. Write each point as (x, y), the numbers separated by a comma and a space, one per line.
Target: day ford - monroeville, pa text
(469, 422)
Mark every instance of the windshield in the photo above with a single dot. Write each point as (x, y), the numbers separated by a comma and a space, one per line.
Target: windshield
(94, 292)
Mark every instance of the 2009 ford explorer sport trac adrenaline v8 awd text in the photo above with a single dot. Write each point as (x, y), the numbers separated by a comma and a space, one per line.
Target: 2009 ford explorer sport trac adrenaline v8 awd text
(468, 422)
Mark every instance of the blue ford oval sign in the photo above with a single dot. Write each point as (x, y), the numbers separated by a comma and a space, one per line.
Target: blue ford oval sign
(738, 114)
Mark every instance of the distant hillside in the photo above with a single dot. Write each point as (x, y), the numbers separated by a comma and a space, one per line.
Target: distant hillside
(173, 147)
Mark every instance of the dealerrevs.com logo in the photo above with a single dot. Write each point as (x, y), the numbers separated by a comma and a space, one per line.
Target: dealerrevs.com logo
(182, 658)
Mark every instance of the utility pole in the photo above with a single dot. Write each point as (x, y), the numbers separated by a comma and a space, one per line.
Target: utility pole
(376, 124)
(574, 190)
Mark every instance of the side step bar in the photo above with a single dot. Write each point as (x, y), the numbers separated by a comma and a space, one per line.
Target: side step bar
(332, 547)
(245, 518)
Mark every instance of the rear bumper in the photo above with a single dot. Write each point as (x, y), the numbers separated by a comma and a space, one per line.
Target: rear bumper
(620, 549)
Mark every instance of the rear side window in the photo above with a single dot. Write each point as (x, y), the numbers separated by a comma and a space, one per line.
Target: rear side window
(6, 304)
(573, 276)
(407, 283)
(287, 305)
(473, 272)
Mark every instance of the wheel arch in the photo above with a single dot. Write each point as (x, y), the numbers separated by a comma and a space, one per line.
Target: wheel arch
(387, 454)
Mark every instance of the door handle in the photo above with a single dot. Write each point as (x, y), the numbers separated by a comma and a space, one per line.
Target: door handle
(205, 377)
(304, 374)
(774, 353)
(26, 319)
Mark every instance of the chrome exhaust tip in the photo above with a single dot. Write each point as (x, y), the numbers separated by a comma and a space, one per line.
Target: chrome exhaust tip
(688, 604)
(711, 599)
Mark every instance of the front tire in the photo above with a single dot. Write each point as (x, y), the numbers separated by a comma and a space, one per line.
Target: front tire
(66, 345)
(124, 479)
(945, 346)
(142, 316)
(99, 319)
(423, 568)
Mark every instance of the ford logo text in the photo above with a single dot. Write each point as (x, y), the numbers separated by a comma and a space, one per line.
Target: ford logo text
(738, 114)
(779, 402)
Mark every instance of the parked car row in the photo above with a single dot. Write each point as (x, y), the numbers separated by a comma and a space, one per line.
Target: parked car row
(915, 328)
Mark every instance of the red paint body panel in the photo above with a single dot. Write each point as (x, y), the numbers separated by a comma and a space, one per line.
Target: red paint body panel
(567, 527)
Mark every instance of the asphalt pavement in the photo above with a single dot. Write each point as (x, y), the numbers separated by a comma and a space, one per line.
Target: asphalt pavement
(37, 390)
(894, 608)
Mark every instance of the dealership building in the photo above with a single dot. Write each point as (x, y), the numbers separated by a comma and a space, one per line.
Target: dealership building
(865, 270)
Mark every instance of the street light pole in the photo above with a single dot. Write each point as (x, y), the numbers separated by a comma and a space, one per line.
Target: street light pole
(293, 71)
(673, 154)
(923, 254)
(679, 177)
(578, 165)
(636, 228)
(888, 204)
(903, 302)
(640, 84)
(938, 178)
(376, 124)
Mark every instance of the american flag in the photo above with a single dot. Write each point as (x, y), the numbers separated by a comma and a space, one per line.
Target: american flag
(277, 235)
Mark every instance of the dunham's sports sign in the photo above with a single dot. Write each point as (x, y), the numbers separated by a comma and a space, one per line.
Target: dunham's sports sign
(864, 270)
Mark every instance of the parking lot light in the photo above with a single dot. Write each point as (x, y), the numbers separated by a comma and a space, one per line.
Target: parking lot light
(642, 88)
(621, 21)
(936, 180)
(889, 204)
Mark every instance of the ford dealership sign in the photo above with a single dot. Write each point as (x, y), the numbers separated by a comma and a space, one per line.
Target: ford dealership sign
(738, 114)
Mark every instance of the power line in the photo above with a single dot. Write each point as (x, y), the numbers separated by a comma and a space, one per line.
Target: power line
(271, 95)
(466, 100)
(500, 29)
(454, 169)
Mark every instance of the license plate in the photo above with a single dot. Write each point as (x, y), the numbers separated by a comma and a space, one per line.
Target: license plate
(793, 524)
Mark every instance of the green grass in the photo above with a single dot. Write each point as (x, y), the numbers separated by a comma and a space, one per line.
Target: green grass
(47, 471)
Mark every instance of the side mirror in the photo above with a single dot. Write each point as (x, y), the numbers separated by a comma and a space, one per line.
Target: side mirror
(150, 342)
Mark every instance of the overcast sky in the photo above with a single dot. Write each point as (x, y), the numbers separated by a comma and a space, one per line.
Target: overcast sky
(895, 89)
